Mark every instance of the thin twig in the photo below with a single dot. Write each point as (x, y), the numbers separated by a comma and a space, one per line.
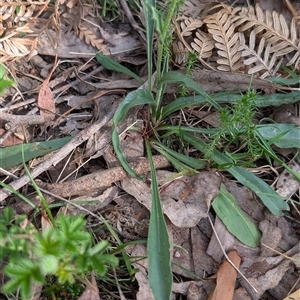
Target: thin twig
(226, 256)
(132, 20)
(81, 137)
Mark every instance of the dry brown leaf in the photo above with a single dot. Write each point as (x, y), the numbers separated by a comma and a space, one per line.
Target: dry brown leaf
(11, 140)
(294, 296)
(46, 101)
(226, 278)
(91, 291)
(185, 200)
(287, 185)
(45, 221)
(145, 291)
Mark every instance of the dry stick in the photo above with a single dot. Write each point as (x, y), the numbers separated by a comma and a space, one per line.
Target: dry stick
(66, 87)
(102, 179)
(226, 256)
(17, 105)
(17, 120)
(291, 8)
(81, 137)
(132, 20)
(25, 120)
(80, 207)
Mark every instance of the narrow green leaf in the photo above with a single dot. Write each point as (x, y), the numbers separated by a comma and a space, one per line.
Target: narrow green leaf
(268, 196)
(284, 81)
(231, 98)
(158, 245)
(173, 76)
(12, 156)
(156, 16)
(21, 196)
(192, 162)
(5, 83)
(112, 65)
(235, 219)
(149, 32)
(134, 98)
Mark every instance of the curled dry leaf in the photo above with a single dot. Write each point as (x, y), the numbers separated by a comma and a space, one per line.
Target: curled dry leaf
(91, 291)
(46, 101)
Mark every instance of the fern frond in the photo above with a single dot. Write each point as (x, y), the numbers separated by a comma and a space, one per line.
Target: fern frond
(188, 25)
(220, 26)
(260, 60)
(274, 29)
(180, 52)
(203, 44)
(90, 38)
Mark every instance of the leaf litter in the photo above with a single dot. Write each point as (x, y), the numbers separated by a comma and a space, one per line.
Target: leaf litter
(186, 199)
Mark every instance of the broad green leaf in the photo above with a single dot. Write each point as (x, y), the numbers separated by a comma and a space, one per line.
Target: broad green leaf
(282, 135)
(12, 156)
(134, 98)
(235, 219)
(268, 196)
(111, 64)
(5, 83)
(158, 245)
(173, 76)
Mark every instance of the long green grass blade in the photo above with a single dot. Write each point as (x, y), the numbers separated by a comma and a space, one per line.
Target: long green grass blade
(192, 162)
(173, 76)
(158, 245)
(285, 81)
(134, 98)
(21, 196)
(38, 191)
(268, 196)
(112, 65)
(235, 219)
(230, 98)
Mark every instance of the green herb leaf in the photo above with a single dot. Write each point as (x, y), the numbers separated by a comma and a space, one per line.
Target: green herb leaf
(282, 135)
(235, 219)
